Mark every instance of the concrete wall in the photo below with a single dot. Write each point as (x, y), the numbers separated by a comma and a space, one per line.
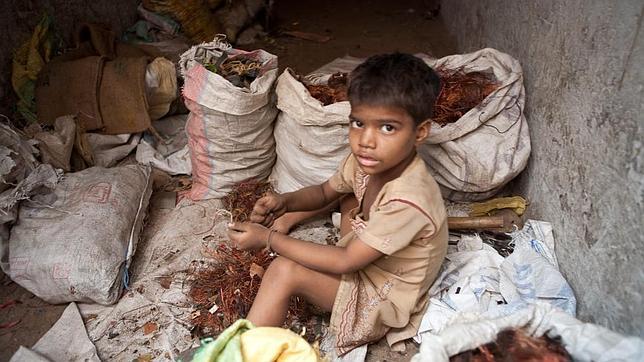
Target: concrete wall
(19, 17)
(583, 66)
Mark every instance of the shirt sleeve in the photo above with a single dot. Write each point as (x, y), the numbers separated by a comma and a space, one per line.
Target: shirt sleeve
(342, 180)
(394, 225)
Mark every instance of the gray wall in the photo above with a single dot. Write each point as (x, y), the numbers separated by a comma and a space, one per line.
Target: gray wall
(18, 19)
(584, 77)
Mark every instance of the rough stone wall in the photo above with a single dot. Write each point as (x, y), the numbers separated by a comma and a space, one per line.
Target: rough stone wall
(18, 18)
(583, 64)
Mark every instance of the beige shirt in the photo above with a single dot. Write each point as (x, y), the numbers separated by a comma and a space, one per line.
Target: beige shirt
(407, 223)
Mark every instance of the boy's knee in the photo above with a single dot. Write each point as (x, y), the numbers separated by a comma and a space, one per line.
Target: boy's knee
(282, 268)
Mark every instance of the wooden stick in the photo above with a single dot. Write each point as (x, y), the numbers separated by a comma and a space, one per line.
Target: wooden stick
(475, 223)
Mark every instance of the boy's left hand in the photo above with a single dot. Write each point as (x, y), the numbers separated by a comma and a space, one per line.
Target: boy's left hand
(248, 236)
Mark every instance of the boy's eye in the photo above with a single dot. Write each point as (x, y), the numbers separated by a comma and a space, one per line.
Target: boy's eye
(355, 123)
(387, 128)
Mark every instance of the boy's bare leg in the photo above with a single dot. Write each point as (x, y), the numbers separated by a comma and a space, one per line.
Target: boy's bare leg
(285, 278)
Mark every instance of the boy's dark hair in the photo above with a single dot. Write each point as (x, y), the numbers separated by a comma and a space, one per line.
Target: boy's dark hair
(398, 80)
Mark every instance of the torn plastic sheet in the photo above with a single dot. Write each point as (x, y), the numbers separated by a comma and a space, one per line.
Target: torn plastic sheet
(475, 279)
(170, 154)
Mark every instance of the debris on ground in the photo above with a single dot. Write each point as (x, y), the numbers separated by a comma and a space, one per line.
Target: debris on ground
(228, 284)
(150, 327)
(516, 345)
(9, 324)
(332, 92)
(9, 303)
(178, 183)
(460, 92)
(318, 38)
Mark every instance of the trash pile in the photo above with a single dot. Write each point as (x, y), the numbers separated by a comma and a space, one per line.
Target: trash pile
(507, 301)
(223, 292)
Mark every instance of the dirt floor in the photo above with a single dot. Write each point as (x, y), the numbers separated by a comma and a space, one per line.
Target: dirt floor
(358, 28)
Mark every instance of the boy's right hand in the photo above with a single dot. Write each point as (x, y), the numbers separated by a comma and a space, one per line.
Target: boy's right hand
(268, 208)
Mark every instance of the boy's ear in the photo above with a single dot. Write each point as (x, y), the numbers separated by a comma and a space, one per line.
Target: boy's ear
(422, 131)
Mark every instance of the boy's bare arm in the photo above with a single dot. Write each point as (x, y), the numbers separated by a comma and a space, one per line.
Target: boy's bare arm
(326, 258)
(312, 197)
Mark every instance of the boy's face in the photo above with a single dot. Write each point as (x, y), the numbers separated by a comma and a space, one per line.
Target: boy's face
(383, 138)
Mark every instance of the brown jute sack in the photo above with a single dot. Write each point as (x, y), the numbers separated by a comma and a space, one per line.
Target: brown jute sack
(122, 100)
(70, 87)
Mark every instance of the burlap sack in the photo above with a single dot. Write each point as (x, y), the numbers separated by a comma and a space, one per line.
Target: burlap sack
(104, 95)
(70, 88)
(122, 98)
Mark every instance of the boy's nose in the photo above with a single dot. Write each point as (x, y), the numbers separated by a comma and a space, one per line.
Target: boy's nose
(367, 138)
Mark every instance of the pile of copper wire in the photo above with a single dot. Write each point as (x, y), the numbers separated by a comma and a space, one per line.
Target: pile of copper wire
(243, 196)
(460, 92)
(516, 345)
(224, 289)
(334, 91)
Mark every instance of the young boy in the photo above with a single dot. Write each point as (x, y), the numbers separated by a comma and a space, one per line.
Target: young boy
(375, 281)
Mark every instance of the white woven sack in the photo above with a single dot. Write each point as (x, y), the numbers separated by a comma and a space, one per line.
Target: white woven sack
(230, 129)
(487, 147)
(584, 341)
(311, 139)
(75, 242)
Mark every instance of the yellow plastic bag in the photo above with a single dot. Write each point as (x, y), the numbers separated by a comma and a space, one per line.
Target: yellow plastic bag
(268, 344)
(160, 87)
(28, 60)
(515, 203)
(243, 342)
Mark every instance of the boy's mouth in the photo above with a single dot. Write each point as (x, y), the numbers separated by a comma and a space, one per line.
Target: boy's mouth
(366, 161)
